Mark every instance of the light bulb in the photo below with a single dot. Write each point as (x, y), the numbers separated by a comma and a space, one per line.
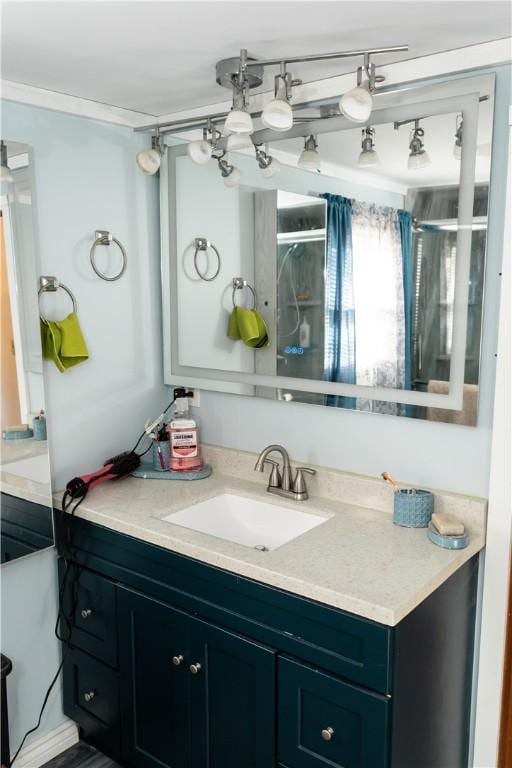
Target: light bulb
(277, 115)
(357, 103)
(233, 179)
(238, 121)
(272, 168)
(418, 160)
(368, 157)
(199, 151)
(309, 160)
(149, 161)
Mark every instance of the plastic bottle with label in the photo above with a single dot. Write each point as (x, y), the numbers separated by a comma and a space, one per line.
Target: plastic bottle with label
(183, 429)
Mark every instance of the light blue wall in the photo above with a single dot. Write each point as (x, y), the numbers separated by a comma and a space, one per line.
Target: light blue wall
(85, 179)
(441, 455)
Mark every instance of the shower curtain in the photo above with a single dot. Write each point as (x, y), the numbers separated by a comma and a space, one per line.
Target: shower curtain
(340, 340)
(368, 309)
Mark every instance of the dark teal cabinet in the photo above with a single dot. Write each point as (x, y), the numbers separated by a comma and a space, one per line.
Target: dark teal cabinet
(232, 699)
(329, 722)
(154, 691)
(192, 694)
(190, 666)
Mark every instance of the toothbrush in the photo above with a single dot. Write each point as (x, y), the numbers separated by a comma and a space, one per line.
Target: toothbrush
(391, 480)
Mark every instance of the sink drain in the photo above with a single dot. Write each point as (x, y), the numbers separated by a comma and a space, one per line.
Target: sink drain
(261, 548)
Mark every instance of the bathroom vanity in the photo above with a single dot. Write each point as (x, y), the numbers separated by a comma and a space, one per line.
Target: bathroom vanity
(190, 651)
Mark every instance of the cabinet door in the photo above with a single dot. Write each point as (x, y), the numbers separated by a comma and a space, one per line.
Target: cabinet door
(233, 694)
(325, 721)
(154, 689)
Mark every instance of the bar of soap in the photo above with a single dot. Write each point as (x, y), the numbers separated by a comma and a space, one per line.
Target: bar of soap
(447, 525)
(17, 428)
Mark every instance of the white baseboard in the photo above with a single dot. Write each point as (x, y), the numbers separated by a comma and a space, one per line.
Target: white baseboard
(39, 751)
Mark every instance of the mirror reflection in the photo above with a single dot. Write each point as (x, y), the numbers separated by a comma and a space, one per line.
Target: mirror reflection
(344, 250)
(26, 521)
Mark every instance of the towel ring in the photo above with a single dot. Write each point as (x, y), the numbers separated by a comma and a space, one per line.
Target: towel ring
(103, 237)
(238, 285)
(50, 284)
(202, 244)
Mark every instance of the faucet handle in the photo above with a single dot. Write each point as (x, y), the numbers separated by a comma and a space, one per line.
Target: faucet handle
(274, 480)
(299, 484)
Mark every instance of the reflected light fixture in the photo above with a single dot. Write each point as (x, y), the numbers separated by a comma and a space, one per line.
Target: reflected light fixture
(309, 158)
(201, 150)
(418, 157)
(149, 160)
(230, 173)
(5, 173)
(269, 165)
(277, 114)
(368, 155)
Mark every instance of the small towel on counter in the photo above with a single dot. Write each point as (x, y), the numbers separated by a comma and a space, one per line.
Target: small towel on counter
(63, 342)
(249, 326)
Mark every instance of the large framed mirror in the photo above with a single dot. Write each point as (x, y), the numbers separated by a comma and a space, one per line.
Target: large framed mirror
(363, 257)
(26, 514)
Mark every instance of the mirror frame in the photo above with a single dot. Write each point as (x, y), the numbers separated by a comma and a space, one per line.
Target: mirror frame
(465, 102)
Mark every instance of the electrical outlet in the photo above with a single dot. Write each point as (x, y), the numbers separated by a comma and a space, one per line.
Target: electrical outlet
(195, 400)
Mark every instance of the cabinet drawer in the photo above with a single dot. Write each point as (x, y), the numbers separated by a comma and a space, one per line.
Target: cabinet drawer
(324, 721)
(91, 600)
(91, 698)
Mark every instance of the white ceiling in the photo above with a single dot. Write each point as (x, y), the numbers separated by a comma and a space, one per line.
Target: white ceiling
(159, 57)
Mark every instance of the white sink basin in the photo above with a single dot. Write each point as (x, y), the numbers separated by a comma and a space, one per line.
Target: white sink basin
(246, 521)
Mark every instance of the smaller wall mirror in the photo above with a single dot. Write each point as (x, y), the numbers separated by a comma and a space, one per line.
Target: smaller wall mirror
(26, 521)
(363, 258)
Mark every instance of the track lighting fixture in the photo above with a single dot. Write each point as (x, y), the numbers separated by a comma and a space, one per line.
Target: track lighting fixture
(201, 150)
(459, 126)
(149, 160)
(357, 103)
(269, 165)
(230, 173)
(418, 157)
(368, 155)
(278, 114)
(5, 173)
(241, 74)
(239, 120)
(309, 158)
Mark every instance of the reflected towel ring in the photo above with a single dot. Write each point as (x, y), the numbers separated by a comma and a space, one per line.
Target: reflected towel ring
(50, 284)
(103, 237)
(202, 244)
(238, 285)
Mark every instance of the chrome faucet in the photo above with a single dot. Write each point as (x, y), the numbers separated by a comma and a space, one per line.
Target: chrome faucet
(280, 481)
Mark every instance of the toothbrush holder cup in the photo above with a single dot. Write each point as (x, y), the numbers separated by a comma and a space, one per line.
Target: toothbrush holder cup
(413, 508)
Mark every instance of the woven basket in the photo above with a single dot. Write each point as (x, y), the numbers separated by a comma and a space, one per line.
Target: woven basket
(413, 508)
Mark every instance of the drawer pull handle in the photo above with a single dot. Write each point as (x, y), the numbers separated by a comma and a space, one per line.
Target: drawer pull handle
(89, 696)
(85, 613)
(195, 668)
(177, 660)
(327, 733)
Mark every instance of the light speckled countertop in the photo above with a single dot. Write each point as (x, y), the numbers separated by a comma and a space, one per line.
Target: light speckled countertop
(357, 560)
(14, 451)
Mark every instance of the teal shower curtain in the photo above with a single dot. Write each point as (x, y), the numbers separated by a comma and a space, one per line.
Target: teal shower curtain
(340, 342)
(405, 221)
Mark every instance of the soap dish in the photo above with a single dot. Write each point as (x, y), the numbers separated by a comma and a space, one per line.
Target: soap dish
(447, 542)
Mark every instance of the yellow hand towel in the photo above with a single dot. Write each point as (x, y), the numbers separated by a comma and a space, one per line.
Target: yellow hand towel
(63, 342)
(249, 326)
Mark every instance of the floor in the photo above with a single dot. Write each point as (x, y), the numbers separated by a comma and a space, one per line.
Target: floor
(81, 756)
